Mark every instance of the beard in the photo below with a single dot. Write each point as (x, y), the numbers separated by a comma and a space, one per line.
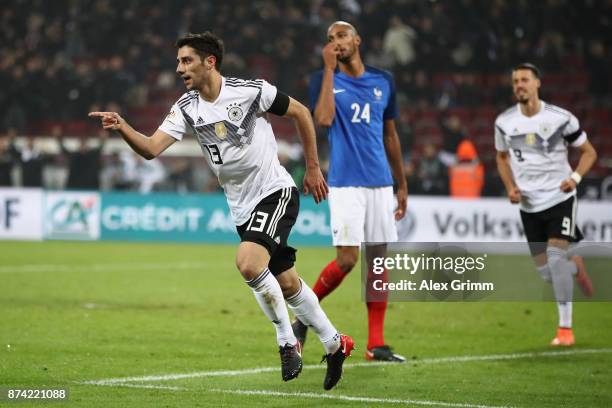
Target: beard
(522, 98)
(348, 55)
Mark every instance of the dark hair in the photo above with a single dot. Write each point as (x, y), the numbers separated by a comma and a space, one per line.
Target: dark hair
(528, 65)
(205, 44)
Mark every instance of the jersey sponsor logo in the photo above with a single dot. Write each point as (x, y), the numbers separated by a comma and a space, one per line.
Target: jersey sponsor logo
(221, 130)
(234, 112)
(337, 91)
(378, 93)
(530, 139)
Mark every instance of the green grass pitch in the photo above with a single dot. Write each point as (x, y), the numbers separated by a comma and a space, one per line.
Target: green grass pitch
(77, 312)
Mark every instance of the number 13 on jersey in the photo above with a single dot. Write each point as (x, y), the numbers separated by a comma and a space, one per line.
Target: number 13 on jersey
(215, 153)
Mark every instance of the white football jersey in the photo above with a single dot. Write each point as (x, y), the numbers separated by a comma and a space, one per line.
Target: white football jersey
(538, 151)
(236, 139)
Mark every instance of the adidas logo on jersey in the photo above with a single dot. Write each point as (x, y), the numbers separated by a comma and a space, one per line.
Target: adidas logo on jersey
(200, 121)
(277, 240)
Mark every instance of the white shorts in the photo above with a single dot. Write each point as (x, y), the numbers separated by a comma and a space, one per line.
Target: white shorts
(362, 214)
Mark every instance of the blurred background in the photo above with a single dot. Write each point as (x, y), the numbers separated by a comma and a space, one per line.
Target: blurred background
(451, 60)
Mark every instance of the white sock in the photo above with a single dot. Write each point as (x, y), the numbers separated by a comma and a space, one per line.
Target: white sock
(565, 314)
(544, 272)
(269, 295)
(306, 307)
(562, 273)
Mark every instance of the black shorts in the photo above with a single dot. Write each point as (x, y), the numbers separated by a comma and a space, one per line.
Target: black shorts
(270, 224)
(558, 221)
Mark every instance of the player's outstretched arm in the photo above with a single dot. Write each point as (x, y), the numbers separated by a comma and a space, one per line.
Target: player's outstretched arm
(588, 156)
(505, 172)
(314, 182)
(394, 156)
(147, 147)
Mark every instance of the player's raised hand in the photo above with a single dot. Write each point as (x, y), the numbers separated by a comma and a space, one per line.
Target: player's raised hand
(330, 55)
(402, 201)
(568, 185)
(110, 120)
(314, 183)
(514, 195)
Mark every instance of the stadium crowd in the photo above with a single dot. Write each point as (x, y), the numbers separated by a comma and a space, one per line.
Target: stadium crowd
(451, 60)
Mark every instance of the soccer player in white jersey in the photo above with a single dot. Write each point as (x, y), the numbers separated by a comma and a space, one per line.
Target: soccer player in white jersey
(531, 140)
(228, 118)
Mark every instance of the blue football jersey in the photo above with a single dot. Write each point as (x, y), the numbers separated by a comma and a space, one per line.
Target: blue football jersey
(357, 153)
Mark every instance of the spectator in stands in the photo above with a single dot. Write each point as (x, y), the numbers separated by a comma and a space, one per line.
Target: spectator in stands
(84, 164)
(150, 174)
(421, 90)
(180, 176)
(378, 56)
(32, 162)
(432, 172)
(412, 180)
(598, 69)
(120, 173)
(466, 177)
(452, 135)
(6, 163)
(399, 41)
(468, 92)
(501, 96)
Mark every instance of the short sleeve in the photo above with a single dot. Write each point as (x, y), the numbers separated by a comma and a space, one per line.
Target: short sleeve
(391, 109)
(314, 89)
(174, 124)
(268, 94)
(500, 140)
(573, 134)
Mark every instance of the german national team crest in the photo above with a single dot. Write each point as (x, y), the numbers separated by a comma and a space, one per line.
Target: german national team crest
(234, 112)
(220, 130)
(530, 139)
(378, 93)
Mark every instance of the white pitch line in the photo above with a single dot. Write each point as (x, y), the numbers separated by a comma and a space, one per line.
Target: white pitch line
(355, 399)
(308, 395)
(143, 386)
(98, 267)
(438, 360)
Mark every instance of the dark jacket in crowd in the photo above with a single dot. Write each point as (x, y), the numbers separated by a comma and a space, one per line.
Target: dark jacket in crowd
(84, 168)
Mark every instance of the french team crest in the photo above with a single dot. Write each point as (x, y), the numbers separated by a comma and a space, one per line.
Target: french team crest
(378, 93)
(530, 139)
(221, 130)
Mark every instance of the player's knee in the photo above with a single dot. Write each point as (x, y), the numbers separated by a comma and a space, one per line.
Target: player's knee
(248, 268)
